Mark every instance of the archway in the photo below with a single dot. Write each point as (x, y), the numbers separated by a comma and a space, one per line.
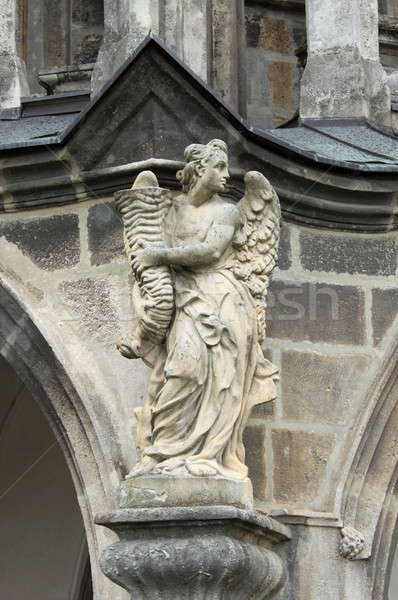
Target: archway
(40, 521)
(371, 492)
(32, 357)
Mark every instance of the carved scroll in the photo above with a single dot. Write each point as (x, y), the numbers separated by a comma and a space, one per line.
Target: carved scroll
(143, 209)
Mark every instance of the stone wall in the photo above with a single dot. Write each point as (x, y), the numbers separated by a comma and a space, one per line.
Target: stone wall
(332, 305)
(274, 35)
(331, 321)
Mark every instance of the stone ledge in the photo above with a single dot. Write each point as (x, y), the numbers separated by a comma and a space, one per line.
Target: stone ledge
(142, 516)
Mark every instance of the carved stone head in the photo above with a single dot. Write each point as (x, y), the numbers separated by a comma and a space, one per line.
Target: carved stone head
(206, 164)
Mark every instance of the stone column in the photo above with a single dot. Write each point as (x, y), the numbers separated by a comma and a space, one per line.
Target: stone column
(206, 35)
(343, 76)
(12, 69)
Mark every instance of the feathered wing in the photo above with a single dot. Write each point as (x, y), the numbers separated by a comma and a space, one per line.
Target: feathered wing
(256, 244)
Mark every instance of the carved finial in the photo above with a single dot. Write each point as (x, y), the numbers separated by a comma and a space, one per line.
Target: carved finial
(145, 179)
(352, 544)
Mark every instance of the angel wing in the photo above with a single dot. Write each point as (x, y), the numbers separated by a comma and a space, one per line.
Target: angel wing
(256, 244)
(143, 209)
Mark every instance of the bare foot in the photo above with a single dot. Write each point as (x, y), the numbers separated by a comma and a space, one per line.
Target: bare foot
(146, 465)
(201, 469)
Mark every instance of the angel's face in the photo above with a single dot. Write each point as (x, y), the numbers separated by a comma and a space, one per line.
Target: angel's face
(214, 174)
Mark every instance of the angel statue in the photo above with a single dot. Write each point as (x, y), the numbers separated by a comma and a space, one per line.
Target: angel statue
(202, 265)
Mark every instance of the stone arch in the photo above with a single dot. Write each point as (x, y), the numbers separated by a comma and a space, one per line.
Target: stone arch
(23, 346)
(371, 488)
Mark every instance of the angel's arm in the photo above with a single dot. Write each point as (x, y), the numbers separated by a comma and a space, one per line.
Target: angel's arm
(211, 249)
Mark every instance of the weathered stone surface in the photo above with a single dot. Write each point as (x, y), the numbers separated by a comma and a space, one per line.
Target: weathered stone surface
(264, 411)
(272, 38)
(343, 76)
(51, 242)
(227, 35)
(320, 388)
(268, 33)
(277, 36)
(316, 312)
(57, 35)
(173, 490)
(13, 83)
(205, 36)
(89, 303)
(371, 255)
(384, 311)
(300, 460)
(105, 234)
(285, 251)
(176, 559)
(281, 84)
(254, 441)
(253, 30)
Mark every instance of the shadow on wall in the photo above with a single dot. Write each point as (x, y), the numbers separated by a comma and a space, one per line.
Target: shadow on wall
(44, 552)
(393, 588)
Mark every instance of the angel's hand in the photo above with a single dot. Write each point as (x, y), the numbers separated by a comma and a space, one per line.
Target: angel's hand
(148, 257)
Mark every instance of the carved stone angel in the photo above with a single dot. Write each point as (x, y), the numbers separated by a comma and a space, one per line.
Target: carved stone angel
(208, 366)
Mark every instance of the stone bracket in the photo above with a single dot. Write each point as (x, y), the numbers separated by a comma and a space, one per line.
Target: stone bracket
(192, 553)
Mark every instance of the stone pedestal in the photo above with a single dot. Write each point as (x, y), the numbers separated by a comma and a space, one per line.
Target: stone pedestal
(192, 553)
(158, 490)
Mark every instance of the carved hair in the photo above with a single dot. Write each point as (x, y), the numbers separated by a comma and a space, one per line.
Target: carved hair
(198, 155)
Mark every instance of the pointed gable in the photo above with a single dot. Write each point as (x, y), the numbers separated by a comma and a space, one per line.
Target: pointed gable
(153, 107)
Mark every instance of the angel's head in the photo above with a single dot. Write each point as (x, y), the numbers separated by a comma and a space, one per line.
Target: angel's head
(206, 165)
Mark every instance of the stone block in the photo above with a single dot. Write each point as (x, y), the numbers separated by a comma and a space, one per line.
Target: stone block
(320, 388)
(265, 410)
(340, 253)
(89, 303)
(277, 35)
(253, 30)
(105, 234)
(384, 311)
(254, 441)
(51, 243)
(300, 460)
(316, 312)
(150, 491)
(285, 251)
(281, 84)
(268, 33)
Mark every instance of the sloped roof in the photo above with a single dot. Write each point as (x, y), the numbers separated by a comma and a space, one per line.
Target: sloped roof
(339, 143)
(33, 131)
(346, 144)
